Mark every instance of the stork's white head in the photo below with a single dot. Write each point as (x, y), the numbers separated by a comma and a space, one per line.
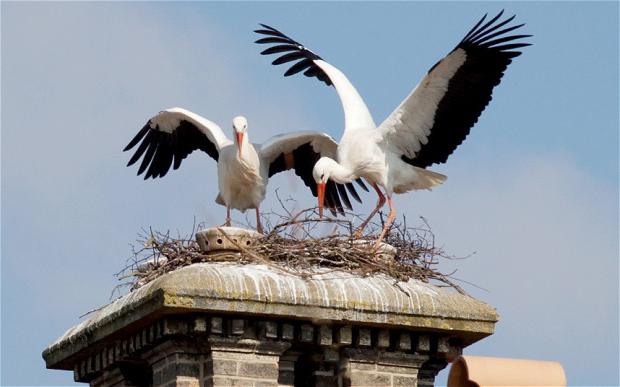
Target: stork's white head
(240, 127)
(322, 170)
(240, 124)
(321, 173)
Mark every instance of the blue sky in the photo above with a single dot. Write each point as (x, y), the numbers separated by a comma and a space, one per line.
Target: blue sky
(533, 190)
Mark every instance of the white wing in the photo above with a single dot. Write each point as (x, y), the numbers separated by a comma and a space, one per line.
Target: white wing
(170, 136)
(356, 114)
(437, 116)
(284, 144)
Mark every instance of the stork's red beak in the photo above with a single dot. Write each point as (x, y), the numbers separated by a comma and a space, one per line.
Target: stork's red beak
(320, 188)
(239, 136)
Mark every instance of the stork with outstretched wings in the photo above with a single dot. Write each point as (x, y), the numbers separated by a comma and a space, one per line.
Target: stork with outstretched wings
(243, 168)
(424, 129)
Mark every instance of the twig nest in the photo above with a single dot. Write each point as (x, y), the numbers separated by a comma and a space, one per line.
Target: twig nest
(384, 252)
(225, 238)
(151, 264)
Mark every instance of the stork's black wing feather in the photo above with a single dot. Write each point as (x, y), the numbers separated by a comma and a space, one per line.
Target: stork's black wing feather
(293, 51)
(165, 148)
(488, 52)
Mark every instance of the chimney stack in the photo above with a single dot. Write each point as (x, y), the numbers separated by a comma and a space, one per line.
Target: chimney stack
(223, 324)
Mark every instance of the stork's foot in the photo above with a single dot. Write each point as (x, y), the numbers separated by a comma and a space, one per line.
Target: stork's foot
(358, 233)
(377, 246)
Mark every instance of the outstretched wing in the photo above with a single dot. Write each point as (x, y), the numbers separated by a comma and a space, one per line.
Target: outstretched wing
(356, 114)
(437, 116)
(170, 136)
(300, 151)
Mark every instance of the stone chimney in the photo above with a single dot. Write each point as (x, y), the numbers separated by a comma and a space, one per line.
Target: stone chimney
(224, 324)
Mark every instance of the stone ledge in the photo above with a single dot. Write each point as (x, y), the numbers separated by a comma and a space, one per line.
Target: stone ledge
(263, 291)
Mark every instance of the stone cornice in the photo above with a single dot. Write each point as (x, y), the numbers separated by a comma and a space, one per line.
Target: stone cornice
(259, 290)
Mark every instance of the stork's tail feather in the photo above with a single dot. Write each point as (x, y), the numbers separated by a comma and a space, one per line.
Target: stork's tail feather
(219, 200)
(427, 179)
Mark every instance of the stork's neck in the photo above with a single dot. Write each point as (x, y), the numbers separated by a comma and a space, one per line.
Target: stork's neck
(340, 173)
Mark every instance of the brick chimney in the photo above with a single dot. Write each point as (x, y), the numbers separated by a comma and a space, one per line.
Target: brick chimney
(223, 324)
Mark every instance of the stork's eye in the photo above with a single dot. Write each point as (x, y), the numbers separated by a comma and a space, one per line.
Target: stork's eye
(322, 176)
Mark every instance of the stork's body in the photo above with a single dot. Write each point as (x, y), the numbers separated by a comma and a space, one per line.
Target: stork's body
(424, 129)
(243, 168)
(242, 186)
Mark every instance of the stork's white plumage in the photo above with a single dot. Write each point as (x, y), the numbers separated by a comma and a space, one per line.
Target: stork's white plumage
(424, 129)
(243, 168)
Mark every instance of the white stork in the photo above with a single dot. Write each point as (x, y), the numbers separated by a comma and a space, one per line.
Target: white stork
(243, 168)
(424, 129)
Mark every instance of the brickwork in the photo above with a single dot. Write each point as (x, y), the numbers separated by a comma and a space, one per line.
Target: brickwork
(243, 362)
(178, 369)
(372, 367)
(286, 368)
(110, 378)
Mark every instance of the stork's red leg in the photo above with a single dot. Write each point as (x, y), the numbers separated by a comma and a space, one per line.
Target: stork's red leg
(259, 226)
(227, 217)
(380, 203)
(388, 222)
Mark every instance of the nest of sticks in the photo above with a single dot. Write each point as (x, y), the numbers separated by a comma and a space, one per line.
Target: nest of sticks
(298, 244)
